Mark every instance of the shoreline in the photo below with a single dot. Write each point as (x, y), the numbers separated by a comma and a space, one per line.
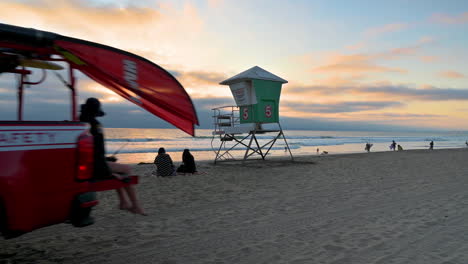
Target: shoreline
(308, 156)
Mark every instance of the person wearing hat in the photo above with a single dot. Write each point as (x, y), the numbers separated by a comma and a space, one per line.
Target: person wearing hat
(105, 168)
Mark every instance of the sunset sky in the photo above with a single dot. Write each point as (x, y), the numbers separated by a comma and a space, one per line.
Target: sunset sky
(359, 65)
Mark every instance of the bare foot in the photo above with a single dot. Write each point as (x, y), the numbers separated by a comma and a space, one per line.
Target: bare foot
(137, 210)
(124, 207)
(120, 176)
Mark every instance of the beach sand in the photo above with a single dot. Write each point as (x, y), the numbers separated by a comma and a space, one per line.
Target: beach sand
(385, 207)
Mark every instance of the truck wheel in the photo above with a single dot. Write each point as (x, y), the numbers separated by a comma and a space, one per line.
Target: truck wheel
(81, 216)
(3, 220)
(4, 231)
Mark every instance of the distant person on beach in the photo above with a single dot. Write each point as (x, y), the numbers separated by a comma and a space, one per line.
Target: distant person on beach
(393, 145)
(368, 147)
(107, 168)
(400, 148)
(466, 143)
(318, 150)
(431, 145)
(188, 163)
(164, 165)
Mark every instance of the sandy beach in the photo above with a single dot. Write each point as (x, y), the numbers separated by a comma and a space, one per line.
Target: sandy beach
(383, 207)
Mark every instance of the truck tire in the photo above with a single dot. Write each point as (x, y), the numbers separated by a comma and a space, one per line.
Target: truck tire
(3, 220)
(81, 216)
(4, 231)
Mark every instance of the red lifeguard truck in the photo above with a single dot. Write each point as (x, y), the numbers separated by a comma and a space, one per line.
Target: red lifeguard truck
(46, 167)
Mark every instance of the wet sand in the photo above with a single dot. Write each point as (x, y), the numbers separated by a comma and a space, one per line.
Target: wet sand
(386, 207)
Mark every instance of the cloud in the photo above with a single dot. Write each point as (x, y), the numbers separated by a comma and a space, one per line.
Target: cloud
(403, 116)
(449, 19)
(375, 32)
(428, 58)
(355, 63)
(341, 107)
(175, 32)
(357, 68)
(215, 3)
(408, 93)
(209, 103)
(428, 93)
(388, 28)
(451, 74)
(363, 63)
(197, 78)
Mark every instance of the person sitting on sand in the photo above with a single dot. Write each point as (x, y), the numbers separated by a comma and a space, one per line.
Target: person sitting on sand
(400, 148)
(188, 163)
(164, 165)
(106, 168)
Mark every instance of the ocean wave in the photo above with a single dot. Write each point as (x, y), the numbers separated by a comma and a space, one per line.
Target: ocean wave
(142, 150)
(136, 139)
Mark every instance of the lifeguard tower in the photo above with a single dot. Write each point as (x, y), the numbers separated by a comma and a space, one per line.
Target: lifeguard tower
(257, 94)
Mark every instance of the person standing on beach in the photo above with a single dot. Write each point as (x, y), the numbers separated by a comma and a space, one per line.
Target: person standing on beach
(431, 145)
(106, 168)
(368, 147)
(393, 145)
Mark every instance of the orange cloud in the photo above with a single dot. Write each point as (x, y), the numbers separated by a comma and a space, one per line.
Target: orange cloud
(428, 58)
(355, 63)
(361, 63)
(377, 31)
(451, 74)
(169, 30)
(357, 67)
(215, 3)
(385, 91)
(197, 78)
(449, 19)
(372, 32)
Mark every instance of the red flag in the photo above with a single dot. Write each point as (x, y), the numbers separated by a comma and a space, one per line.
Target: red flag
(134, 78)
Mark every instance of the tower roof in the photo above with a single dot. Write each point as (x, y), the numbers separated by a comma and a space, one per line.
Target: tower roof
(254, 73)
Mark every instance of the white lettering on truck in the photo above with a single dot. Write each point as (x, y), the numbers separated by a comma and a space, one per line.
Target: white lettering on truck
(130, 73)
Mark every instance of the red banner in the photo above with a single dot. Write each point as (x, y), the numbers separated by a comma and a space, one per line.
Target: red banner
(134, 78)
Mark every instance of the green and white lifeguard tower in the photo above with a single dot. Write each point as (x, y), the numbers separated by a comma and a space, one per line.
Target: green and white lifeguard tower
(257, 96)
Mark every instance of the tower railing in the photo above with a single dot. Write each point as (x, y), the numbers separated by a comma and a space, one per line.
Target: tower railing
(225, 116)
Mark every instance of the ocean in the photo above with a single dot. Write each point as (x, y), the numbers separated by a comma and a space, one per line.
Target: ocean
(135, 145)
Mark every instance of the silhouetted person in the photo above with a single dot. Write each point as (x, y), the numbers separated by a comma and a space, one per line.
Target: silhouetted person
(431, 145)
(368, 147)
(188, 165)
(105, 168)
(164, 165)
(393, 145)
(400, 148)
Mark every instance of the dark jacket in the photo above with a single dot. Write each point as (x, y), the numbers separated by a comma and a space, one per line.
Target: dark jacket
(188, 165)
(164, 165)
(101, 169)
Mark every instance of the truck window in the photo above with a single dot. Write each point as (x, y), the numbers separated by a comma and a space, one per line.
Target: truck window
(47, 101)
